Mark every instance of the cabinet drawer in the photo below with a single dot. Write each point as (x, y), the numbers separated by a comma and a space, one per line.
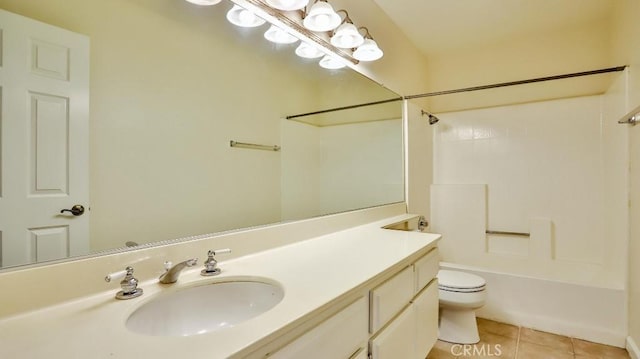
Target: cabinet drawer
(426, 269)
(338, 337)
(390, 297)
(396, 340)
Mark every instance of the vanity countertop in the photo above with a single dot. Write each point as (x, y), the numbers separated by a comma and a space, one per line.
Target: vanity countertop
(314, 273)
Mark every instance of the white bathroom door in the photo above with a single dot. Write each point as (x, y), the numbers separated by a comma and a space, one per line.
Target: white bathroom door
(44, 144)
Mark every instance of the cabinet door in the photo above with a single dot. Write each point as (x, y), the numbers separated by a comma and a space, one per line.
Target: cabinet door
(338, 337)
(397, 340)
(426, 308)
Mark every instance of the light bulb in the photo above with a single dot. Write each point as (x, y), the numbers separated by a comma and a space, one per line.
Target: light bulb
(332, 62)
(242, 17)
(308, 51)
(322, 20)
(246, 17)
(368, 51)
(287, 5)
(204, 2)
(347, 37)
(321, 17)
(279, 36)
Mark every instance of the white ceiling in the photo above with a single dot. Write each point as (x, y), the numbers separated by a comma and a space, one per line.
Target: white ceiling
(440, 26)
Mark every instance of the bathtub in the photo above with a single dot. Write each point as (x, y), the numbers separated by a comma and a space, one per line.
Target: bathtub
(580, 311)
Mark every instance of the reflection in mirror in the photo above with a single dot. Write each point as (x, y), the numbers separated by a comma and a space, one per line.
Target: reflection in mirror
(342, 159)
(131, 106)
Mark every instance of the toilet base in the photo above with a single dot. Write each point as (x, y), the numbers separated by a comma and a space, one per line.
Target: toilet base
(458, 326)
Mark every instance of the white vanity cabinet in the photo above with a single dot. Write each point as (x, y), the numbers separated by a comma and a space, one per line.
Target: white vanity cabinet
(412, 333)
(394, 318)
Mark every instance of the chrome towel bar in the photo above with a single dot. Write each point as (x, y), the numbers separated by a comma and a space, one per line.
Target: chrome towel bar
(502, 233)
(254, 146)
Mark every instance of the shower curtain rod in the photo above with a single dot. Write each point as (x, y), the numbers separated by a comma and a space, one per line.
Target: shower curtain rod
(345, 107)
(467, 89)
(521, 82)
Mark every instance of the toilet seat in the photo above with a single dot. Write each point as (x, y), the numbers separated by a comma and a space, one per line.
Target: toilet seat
(460, 282)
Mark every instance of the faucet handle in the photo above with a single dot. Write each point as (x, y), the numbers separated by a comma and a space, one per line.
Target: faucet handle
(220, 251)
(129, 283)
(211, 264)
(422, 223)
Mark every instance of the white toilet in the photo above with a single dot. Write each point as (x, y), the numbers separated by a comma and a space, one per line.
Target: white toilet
(460, 295)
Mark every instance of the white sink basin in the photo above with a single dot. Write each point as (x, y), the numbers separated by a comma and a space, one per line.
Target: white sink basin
(203, 309)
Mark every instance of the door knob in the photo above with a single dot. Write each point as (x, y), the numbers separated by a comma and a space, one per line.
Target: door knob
(77, 210)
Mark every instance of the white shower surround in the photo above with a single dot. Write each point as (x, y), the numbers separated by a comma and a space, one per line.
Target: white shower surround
(563, 161)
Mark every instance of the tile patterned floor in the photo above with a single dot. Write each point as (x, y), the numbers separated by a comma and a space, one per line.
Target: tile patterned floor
(498, 340)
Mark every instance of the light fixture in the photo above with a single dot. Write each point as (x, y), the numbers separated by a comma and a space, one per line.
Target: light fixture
(369, 50)
(288, 5)
(308, 51)
(242, 17)
(324, 32)
(321, 17)
(346, 36)
(204, 2)
(332, 62)
(279, 36)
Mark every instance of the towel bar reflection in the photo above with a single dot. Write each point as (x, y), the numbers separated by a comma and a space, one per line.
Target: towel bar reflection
(254, 146)
(502, 233)
(631, 118)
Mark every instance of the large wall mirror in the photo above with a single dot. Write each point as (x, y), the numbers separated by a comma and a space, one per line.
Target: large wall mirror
(128, 107)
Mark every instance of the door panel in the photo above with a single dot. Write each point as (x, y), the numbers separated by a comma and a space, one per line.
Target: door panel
(49, 243)
(51, 60)
(48, 146)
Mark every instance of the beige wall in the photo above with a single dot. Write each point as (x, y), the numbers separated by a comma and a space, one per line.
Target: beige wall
(575, 49)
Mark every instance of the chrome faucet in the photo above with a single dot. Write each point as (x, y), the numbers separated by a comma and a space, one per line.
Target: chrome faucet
(173, 272)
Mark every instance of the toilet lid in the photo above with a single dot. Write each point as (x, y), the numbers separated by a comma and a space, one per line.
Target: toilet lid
(460, 281)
